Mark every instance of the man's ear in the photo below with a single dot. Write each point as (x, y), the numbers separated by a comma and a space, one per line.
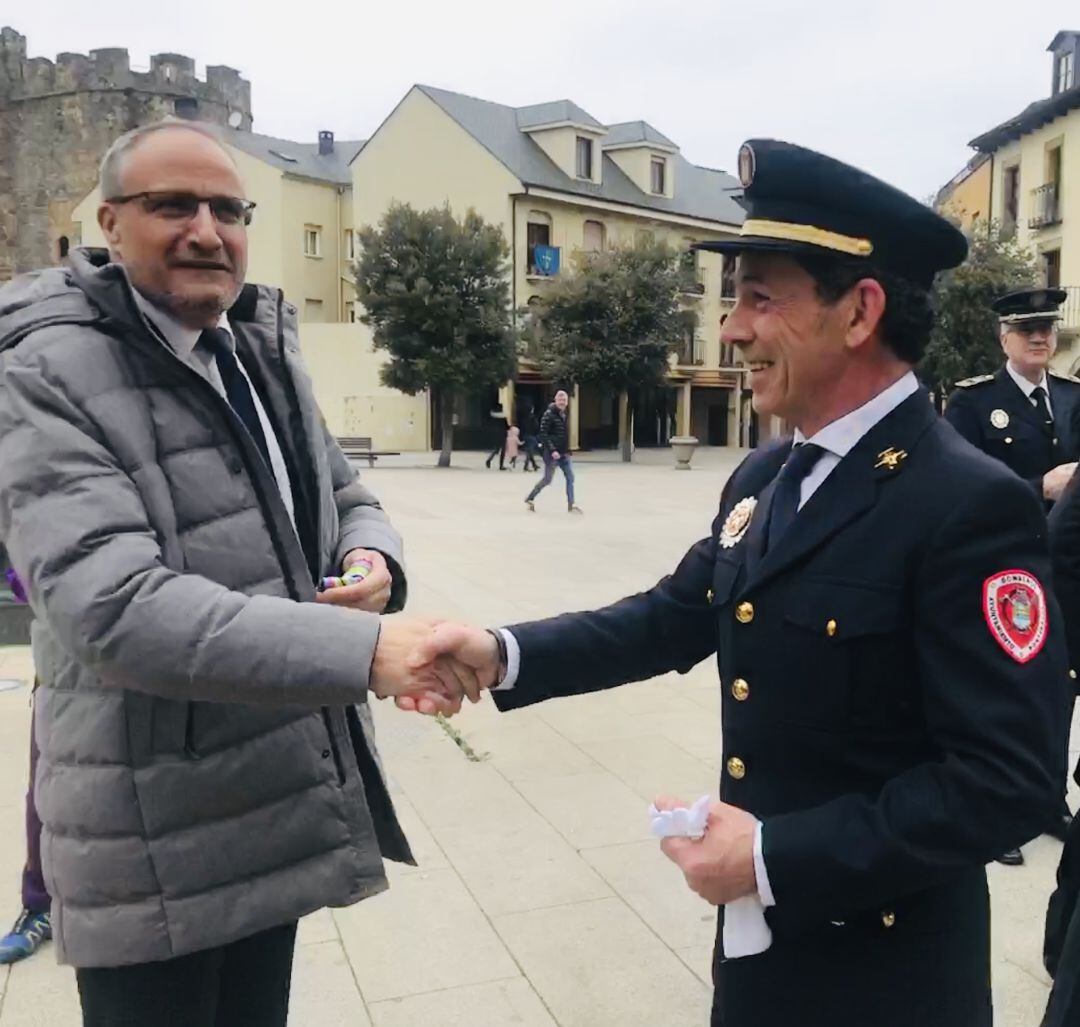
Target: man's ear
(867, 308)
(110, 225)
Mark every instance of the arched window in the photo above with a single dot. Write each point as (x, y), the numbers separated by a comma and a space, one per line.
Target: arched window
(62, 246)
(594, 236)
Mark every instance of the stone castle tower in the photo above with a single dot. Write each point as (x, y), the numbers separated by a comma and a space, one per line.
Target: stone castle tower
(58, 119)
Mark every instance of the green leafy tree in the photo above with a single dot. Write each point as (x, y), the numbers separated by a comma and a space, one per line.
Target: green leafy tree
(436, 292)
(613, 322)
(966, 339)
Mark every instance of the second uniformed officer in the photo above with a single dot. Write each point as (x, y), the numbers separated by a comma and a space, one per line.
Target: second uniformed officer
(1023, 415)
(893, 671)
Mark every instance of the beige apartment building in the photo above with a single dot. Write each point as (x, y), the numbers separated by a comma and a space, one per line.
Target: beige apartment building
(559, 182)
(1034, 183)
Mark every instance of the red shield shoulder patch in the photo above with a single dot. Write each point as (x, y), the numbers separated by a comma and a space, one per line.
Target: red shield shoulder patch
(1014, 605)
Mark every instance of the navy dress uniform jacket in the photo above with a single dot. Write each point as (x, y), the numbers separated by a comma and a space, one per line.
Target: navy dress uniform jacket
(887, 739)
(1061, 946)
(1021, 443)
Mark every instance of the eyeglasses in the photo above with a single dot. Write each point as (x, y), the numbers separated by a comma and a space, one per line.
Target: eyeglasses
(227, 210)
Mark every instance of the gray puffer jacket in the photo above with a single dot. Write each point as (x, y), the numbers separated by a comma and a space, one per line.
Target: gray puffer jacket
(204, 771)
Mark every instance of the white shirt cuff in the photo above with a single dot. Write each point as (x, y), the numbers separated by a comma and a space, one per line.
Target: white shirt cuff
(764, 889)
(513, 662)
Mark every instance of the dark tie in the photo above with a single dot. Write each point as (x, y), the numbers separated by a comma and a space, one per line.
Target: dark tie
(1039, 395)
(785, 504)
(237, 390)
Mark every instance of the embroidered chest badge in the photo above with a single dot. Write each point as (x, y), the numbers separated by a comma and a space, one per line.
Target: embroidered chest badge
(999, 419)
(1014, 605)
(737, 522)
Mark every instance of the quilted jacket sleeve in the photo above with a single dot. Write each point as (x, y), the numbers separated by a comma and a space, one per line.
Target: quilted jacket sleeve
(76, 527)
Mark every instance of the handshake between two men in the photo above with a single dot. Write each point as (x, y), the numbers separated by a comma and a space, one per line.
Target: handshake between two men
(431, 667)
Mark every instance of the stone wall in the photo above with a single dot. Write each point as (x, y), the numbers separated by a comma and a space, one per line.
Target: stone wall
(57, 119)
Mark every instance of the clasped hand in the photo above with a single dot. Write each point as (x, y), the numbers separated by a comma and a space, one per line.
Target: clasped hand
(431, 667)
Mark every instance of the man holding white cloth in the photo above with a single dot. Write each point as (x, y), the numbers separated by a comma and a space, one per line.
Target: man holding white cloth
(893, 674)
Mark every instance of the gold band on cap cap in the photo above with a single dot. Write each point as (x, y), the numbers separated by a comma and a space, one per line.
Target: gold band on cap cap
(788, 232)
(1017, 319)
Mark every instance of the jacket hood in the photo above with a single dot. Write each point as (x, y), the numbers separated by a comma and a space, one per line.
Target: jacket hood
(92, 289)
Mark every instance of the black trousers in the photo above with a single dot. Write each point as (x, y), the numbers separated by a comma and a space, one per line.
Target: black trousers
(244, 984)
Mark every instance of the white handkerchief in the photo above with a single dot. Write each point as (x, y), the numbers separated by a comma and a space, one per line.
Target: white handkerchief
(746, 932)
(680, 823)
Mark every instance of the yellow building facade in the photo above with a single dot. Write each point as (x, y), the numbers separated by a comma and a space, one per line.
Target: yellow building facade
(1034, 162)
(966, 199)
(555, 178)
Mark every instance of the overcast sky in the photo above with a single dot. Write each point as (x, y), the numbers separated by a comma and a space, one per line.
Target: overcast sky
(897, 88)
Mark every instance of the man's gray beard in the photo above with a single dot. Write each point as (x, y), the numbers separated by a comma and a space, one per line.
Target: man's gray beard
(188, 312)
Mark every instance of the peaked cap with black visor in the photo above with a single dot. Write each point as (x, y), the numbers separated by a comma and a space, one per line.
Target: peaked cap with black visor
(800, 201)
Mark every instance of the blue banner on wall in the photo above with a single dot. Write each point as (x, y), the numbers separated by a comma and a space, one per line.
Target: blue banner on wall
(546, 259)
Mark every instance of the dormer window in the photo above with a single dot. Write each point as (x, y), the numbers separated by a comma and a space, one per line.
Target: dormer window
(584, 157)
(658, 173)
(1064, 71)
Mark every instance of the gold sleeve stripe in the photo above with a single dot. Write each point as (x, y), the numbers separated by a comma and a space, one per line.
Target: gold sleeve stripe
(788, 232)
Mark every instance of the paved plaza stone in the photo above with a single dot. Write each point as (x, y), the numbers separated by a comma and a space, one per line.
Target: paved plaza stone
(539, 898)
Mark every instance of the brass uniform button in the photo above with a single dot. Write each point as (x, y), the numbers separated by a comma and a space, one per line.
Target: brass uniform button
(744, 613)
(740, 690)
(831, 629)
(1072, 674)
(1008, 442)
(736, 768)
(888, 919)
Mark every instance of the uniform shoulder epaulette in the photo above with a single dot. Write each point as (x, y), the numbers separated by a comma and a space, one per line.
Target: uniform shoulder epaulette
(1065, 377)
(977, 380)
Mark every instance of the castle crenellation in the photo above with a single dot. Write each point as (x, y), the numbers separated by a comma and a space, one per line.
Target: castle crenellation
(58, 117)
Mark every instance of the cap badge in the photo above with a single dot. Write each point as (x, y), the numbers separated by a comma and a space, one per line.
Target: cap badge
(747, 164)
(999, 419)
(737, 522)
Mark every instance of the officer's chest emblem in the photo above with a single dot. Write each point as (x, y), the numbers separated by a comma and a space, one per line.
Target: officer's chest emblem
(1014, 605)
(999, 419)
(737, 522)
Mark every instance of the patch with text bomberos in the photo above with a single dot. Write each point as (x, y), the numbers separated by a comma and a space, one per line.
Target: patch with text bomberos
(1014, 605)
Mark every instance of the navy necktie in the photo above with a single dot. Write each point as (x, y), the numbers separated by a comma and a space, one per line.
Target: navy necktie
(1039, 395)
(785, 504)
(237, 389)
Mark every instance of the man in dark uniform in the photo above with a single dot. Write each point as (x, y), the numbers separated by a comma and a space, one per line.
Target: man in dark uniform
(1024, 416)
(893, 670)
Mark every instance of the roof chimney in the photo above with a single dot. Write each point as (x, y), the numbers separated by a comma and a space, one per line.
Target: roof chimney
(326, 143)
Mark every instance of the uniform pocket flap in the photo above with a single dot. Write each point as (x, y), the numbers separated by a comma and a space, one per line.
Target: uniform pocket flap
(843, 610)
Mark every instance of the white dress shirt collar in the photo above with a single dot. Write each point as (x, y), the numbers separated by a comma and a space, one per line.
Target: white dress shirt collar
(1027, 387)
(840, 437)
(181, 339)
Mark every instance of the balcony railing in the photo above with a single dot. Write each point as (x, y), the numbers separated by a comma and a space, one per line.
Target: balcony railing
(692, 281)
(1045, 208)
(1070, 311)
(691, 352)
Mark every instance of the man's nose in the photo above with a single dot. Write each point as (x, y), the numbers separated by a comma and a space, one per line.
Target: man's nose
(735, 328)
(203, 229)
